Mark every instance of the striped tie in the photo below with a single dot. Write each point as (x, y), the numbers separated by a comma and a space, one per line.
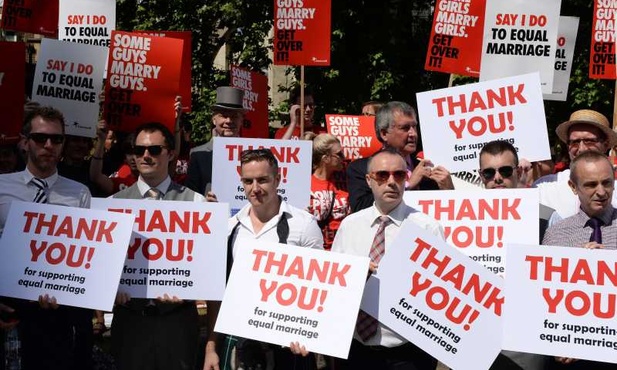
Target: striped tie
(153, 193)
(41, 194)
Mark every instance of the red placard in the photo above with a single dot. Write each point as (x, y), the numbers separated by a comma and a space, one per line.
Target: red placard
(187, 63)
(302, 32)
(456, 37)
(12, 89)
(602, 51)
(255, 86)
(33, 16)
(142, 80)
(356, 133)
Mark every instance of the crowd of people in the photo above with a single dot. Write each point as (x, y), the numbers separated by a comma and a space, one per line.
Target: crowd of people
(355, 208)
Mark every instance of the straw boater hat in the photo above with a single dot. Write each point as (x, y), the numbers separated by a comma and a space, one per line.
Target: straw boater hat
(588, 117)
(228, 97)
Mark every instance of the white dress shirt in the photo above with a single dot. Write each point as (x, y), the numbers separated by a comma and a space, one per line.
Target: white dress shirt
(162, 187)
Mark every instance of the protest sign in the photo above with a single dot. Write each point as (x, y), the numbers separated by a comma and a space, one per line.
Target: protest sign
(177, 248)
(438, 299)
(356, 134)
(12, 89)
(455, 45)
(602, 50)
(142, 80)
(561, 302)
(282, 294)
(73, 254)
(520, 37)
(87, 22)
(31, 16)
(294, 161)
(302, 32)
(255, 86)
(566, 39)
(69, 77)
(481, 223)
(457, 122)
(467, 180)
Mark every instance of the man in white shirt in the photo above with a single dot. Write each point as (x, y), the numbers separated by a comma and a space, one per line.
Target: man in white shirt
(382, 348)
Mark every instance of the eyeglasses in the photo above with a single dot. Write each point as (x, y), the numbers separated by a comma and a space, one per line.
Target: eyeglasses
(41, 138)
(338, 154)
(383, 176)
(152, 149)
(489, 173)
(587, 142)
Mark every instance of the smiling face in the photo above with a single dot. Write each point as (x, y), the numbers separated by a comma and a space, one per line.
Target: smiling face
(593, 181)
(227, 122)
(152, 167)
(402, 134)
(260, 182)
(388, 192)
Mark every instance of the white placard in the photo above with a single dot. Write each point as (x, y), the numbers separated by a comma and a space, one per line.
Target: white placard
(177, 248)
(87, 21)
(73, 254)
(566, 39)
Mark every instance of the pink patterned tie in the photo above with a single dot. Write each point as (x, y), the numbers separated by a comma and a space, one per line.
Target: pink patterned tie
(366, 325)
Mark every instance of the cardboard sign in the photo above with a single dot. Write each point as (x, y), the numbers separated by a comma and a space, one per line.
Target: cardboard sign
(87, 22)
(31, 16)
(356, 134)
(302, 32)
(177, 248)
(12, 89)
(282, 294)
(294, 161)
(520, 37)
(142, 82)
(457, 122)
(480, 223)
(438, 299)
(566, 39)
(255, 86)
(456, 37)
(73, 254)
(68, 77)
(602, 50)
(561, 302)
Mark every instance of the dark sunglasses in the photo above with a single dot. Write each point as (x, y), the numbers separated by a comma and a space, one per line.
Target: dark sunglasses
(505, 172)
(41, 138)
(383, 176)
(152, 149)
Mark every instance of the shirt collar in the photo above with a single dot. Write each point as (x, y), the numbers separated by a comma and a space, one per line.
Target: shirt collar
(606, 217)
(397, 215)
(51, 180)
(162, 187)
(284, 207)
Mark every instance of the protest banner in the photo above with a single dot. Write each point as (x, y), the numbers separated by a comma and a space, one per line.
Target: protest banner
(255, 86)
(467, 180)
(294, 161)
(12, 90)
(481, 224)
(177, 248)
(31, 16)
(458, 121)
(87, 22)
(282, 294)
(566, 39)
(602, 51)
(356, 134)
(69, 77)
(455, 45)
(302, 32)
(561, 302)
(187, 63)
(438, 299)
(73, 254)
(142, 80)
(520, 37)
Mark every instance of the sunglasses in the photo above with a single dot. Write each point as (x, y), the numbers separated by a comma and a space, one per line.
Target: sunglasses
(338, 154)
(505, 172)
(41, 138)
(383, 176)
(152, 149)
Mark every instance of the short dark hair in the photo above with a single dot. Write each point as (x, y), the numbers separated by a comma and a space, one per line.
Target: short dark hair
(153, 127)
(388, 150)
(385, 116)
(259, 155)
(497, 147)
(47, 113)
(588, 156)
(294, 95)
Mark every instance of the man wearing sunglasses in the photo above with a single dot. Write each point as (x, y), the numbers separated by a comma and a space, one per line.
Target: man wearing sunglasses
(370, 232)
(161, 334)
(46, 329)
(292, 131)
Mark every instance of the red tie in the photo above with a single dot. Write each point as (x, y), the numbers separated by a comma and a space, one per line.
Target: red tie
(366, 326)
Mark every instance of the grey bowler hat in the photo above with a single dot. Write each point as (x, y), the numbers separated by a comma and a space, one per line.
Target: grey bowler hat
(228, 97)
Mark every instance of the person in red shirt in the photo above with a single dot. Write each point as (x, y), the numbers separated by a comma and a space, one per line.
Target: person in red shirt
(293, 130)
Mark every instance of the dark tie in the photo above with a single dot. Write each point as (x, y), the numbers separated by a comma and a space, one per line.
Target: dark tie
(596, 234)
(153, 193)
(366, 326)
(41, 193)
